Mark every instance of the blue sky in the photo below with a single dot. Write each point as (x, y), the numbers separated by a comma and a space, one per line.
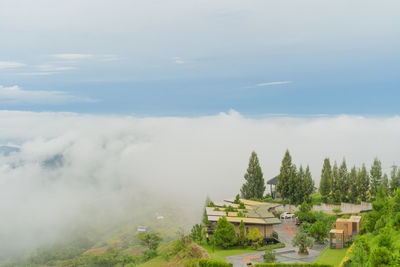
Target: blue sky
(188, 58)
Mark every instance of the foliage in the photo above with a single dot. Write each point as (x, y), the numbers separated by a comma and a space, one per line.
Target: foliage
(241, 214)
(269, 255)
(293, 265)
(241, 206)
(241, 235)
(211, 204)
(237, 199)
(197, 233)
(150, 240)
(213, 263)
(380, 256)
(225, 235)
(302, 241)
(254, 185)
(326, 178)
(319, 231)
(255, 237)
(376, 176)
(394, 179)
(230, 209)
(336, 211)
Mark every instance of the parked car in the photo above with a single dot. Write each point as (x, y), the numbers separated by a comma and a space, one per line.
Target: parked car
(287, 215)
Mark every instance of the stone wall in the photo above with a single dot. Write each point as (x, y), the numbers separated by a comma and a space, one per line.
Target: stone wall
(346, 208)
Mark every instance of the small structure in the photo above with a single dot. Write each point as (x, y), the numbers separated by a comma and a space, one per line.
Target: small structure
(272, 187)
(141, 229)
(345, 230)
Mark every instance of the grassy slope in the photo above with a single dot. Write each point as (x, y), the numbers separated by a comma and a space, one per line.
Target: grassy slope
(331, 256)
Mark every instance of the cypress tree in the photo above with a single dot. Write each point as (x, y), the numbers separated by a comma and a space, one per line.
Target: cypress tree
(308, 184)
(285, 177)
(354, 185)
(335, 183)
(385, 183)
(326, 177)
(394, 179)
(376, 176)
(343, 184)
(254, 186)
(298, 196)
(363, 183)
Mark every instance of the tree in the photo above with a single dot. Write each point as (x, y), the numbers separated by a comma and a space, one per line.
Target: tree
(336, 195)
(353, 195)
(197, 233)
(241, 236)
(254, 186)
(363, 183)
(269, 255)
(302, 241)
(385, 183)
(286, 176)
(319, 231)
(394, 179)
(150, 240)
(343, 183)
(360, 252)
(237, 199)
(255, 238)
(380, 256)
(225, 235)
(326, 177)
(308, 185)
(376, 176)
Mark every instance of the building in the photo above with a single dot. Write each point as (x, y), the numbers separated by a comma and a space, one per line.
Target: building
(345, 230)
(256, 215)
(272, 187)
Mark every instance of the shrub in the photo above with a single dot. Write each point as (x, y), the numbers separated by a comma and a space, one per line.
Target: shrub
(241, 205)
(319, 232)
(336, 210)
(211, 204)
(225, 235)
(237, 199)
(213, 263)
(269, 255)
(293, 264)
(302, 241)
(255, 238)
(380, 256)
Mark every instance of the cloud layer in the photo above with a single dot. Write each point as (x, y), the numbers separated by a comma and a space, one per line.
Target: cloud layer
(82, 168)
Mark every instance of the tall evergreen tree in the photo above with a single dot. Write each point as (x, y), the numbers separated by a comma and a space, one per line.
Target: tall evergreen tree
(286, 177)
(394, 179)
(343, 183)
(326, 177)
(376, 176)
(354, 185)
(363, 183)
(385, 183)
(298, 196)
(336, 195)
(308, 184)
(254, 186)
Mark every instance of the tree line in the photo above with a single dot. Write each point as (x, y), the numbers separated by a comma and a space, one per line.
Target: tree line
(294, 185)
(340, 185)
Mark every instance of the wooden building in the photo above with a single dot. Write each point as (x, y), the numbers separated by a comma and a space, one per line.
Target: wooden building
(345, 230)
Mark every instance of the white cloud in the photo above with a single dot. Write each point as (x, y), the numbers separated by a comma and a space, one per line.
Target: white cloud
(16, 95)
(71, 56)
(52, 68)
(178, 60)
(11, 65)
(108, 159)
(273, 83)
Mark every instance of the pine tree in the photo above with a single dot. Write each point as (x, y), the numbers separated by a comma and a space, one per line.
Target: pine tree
(376, 176)
(343, 183)
(308, 183)
(354, 185)
(285, 177)
(363, 183)
(385, 183)
(394, 179)
(298, 196)
(326, 177)
(254, 186)
(336, 195)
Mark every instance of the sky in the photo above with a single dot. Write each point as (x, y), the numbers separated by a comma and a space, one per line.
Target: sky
(194, 58)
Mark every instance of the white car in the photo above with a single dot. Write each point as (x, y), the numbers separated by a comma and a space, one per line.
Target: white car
(287, 215)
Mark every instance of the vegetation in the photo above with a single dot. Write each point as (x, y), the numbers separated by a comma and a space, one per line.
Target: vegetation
(295, 186)
(331, 256)
(225, 235)
(197, 233)
(269, 255)
(302, 241)
(319, 231)
(213, 263)
(254, 185)
(255, 238)
(292, 265)
(150, 240)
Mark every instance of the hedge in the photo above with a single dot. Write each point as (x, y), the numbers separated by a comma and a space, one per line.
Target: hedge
(293, 265)
(213, 263)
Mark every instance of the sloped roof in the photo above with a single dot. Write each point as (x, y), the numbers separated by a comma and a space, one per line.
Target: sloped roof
(273, 181)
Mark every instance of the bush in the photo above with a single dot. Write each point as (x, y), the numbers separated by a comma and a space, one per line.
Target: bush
(269, 255)
(213, 263)
(225, 235)
(319, 232)
(255, 237)
(293, 264)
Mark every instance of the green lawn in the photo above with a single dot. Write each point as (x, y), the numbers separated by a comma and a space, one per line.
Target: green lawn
(220, 254)
(331, 256)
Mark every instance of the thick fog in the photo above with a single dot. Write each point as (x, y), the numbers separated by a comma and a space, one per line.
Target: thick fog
(58, 170)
